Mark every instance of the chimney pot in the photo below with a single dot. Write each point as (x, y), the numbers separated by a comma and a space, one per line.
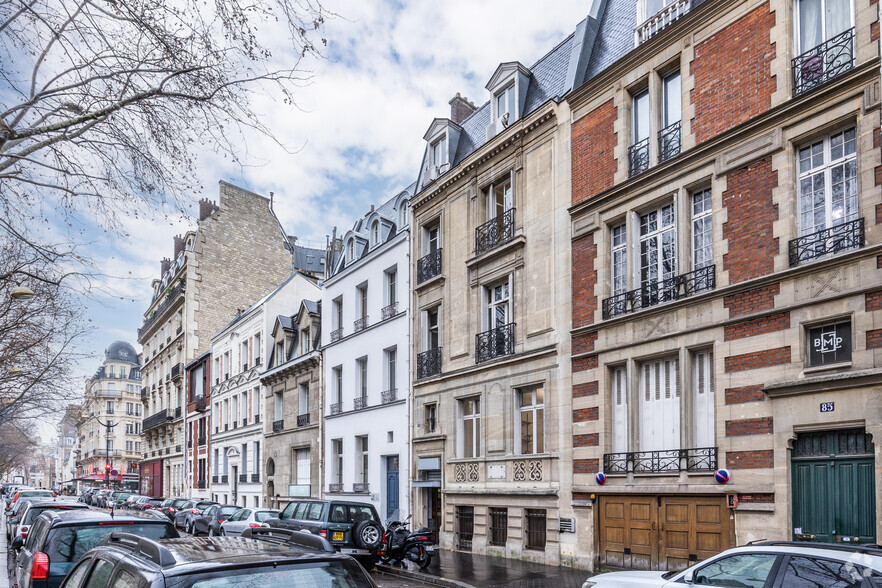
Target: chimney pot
(460, 108)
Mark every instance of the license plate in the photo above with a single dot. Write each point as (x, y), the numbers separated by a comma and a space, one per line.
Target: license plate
(430, 548)
(337, 536)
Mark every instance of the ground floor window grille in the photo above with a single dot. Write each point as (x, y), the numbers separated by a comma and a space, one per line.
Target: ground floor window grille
(465, 527)
(498, 526)
(535, 529)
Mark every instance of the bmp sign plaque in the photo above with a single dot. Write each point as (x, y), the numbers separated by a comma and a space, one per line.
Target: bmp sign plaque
(830, 343)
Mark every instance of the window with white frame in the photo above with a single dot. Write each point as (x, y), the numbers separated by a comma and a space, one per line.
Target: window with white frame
(302, 466)
(391, 357)
(703, 398)
(619, 395)
(658, 246)
(361, 369)
(338, 313)
(391, 287)
(497, 299)
(257, 350)
(500, 198)
(278, 407)
(702, 229)
(531, 424)
(818, 21)
(362, 300)
(619, 257)
(280, 353)
(505, 105)
(363, 457)
(375, 233)
(470, 427)
(303, 400)
(433, 333)
(338, 383)
(337, 445)
(439, 156)
(243, 358)
(431, 241)
(659, 404)
(828, 182)
(305, 344)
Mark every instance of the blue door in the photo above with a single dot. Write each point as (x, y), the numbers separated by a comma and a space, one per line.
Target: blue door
(392, 487)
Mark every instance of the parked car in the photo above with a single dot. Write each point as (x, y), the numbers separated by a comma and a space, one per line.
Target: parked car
(85, 496)
(152, 504)
(768, 564)
(30, 493)
(246, 518)
(21, 523)
(209, 521)
(179, 518)
(132, 499)
(351, 527)
(124, 559)
(196, 511)
(57, 540)
(171, 506)
(99, 497)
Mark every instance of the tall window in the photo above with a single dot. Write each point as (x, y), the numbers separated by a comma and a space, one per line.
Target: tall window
(619, 259)
(305, 346)
(500, 198)
(433, 338)
(338, 313)
(375, 233)
(498, 305)
(338, 460)
(505, 104)
(439, 154)
(658, 245)
(703, 398)
(338, 383)
(431, 238)
(278, 407)
(109, 407)
(640, 116)
(531, 425)
(660, 404)
(671, 98)
(361, 444)
(702, 229)
(302, 466)
(256, 350)
(618, 380)
(362, 296)
(361, 365)
(303, 401)
(431, 417)
(498, 526)
(391, 286)
(391, 361)
(821, 20)
(828, 182)
(471, 427)
(280, 352)
(244, 355)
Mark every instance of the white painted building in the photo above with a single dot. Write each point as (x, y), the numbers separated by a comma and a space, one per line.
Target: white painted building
(239, 355)
(365, 339)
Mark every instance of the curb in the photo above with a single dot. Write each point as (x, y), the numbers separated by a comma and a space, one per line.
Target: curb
(425, 578)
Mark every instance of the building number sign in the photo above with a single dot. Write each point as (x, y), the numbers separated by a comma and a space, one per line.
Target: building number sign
(827, 406)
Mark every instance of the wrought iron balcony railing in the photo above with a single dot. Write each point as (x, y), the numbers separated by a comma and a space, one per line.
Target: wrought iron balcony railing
(255, 478)
(683, 286)
(363, 487)
(429, 266)
(824, 62)
(335, 488)
(225, 478)
(836, 239)
(360, 324)
(389, 310)
(215, 479)
(669, 141)
(278, 425)
(638, 158)
(360, 402)
(429, 363)
(337, 408)
(243, 477)
(702, 459)
(302, 420)
(154, 420)
(336, 334)
(388, 396)
(431, 424)
(496, 342)
(202, 440)
(495, 232)
(177, 371)
(658, 21)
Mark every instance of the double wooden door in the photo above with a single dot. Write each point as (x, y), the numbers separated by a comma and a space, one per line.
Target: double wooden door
(662, 532)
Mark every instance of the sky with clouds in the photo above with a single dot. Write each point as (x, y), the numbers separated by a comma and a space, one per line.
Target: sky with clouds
(355, 136)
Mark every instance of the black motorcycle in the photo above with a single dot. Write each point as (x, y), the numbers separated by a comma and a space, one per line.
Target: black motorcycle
(400, 544)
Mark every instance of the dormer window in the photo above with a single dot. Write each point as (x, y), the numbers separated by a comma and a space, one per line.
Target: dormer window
(439, 155)
(351, 254)
(375, 233)
(508, 90)
(402, 214)
(505, 105)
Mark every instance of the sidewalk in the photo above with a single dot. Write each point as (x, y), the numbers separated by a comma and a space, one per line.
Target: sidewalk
(468, 569)
(4, 574)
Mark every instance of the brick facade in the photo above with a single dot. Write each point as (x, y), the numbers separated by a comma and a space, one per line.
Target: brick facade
(733, 79)
(582, 415)
(758, 326)
(586, 389)
(589, 440)
(758, 359)
(747, 460)
(742, 427)
(873, 300)
(874, 339)
(581, 364)
(749, 228)
(752, 301)
(745, 394)
(584, 281)
(594, 142)
(586, 466)
(584, 343)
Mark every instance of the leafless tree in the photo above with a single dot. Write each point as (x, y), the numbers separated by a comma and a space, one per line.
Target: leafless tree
(106, 103)
(17, 448)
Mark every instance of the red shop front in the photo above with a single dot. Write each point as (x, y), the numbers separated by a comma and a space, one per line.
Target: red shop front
(151, 478)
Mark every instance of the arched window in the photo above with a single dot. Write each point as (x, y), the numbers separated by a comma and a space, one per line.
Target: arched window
(375, 233)
(351, 254)
(270, 467)
(402, 213)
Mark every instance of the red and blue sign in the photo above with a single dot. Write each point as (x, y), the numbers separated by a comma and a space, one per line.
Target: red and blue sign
(600, 478)
(722, 476)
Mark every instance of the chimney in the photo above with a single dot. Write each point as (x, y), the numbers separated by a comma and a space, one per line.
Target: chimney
(207, 208)
(179, 245)
(461, 108)
(163, 266)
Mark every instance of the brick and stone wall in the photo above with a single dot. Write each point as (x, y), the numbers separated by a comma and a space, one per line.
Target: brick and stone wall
(594, 142)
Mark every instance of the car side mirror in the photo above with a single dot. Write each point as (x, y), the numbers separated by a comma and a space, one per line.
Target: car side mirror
(17, 543)
(689, 577)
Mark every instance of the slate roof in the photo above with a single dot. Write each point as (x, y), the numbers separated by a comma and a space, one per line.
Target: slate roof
(286, 322)
(312, 307)
(309, 259)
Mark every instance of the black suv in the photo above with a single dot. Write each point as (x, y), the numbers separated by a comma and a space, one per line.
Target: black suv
(350, 527)
(57, 540)
(271, 558)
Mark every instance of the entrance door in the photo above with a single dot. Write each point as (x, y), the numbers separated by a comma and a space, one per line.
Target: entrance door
(234, 484)
(628, 537)
(833, 487)
(391, 486)
(433, 510)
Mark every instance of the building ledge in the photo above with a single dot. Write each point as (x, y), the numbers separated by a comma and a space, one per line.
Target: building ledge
(504, 490)
(825, 383)
(434, 280)
(516, 242)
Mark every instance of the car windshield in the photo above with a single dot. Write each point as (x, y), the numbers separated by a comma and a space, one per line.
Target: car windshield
(32, 493)
(338, 573)
(33, 513)
(262, 516)
(227, 510)
(69, 544)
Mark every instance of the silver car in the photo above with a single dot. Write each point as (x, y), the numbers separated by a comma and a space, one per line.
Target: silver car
(244, 518)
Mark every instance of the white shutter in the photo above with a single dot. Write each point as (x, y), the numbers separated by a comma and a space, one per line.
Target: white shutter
(660, 406)
(703, 398)
(303, 466)
(620, 409)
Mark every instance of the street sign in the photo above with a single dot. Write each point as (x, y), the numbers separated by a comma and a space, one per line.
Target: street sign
(114, 473)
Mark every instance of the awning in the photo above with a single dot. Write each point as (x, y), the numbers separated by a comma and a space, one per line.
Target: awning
(429, 463)
(426, 483)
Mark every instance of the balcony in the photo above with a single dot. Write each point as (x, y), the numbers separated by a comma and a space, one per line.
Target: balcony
(659, 292)
(336, 334)
(177, 371)
(335, 488)
(658, 21)
(429, 363)
(389, 311)
(669, 141)
(255, 478)
(169, 300)
(337, 408)
(360, 402)
(201, 484)
(360, 324)
(302, 420)
(388, 396)
(429, 266)
(177, 448)
(702, 459)
(495, 232)
(154, 420)
(638, 158)
(214, 479)
(201, 404)
(201, 440)
(362, 488)
(243, 477)
(177, 413)
(497, 342)
(224, 479)
(278, 425)
(144, 392)
(836, 239)
(823, 63)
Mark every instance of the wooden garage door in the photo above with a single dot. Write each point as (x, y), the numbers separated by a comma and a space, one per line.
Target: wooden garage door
(662, 532)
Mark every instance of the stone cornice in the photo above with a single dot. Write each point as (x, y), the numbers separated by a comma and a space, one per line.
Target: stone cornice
(825, 383)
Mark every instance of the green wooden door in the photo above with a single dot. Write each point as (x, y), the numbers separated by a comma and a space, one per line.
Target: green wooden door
(833, 487)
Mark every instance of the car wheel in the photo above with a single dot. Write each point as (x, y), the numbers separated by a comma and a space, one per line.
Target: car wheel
(223, 533)
(210, 531)
(189, 528)
(367, 535)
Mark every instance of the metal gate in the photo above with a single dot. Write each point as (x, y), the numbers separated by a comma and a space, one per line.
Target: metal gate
(833, 487)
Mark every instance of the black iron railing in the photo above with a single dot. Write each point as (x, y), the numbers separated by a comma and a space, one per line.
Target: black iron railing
(465, 527)
(702, 459)
(824, 62)
(683, 286)
(225, 478)
(255, 478)
(278, 425)
(495, 232)
(201, 440)
(168, 450)
(177, 412)
(243, 477)
(669, 141)
(496, 342)
(431, 423)
(177, 370)
(836, 239)
(389, 310)
(302, 420)
(360, 402)
(429, 266)
(154, 420)
(638, 158)
(337, 408)
(429, 363)
(201, 484)
(536, 529)
(388, 396)
(360, 324)
(215, 479)
(336, 334)
(172, 296)
(144, 392)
